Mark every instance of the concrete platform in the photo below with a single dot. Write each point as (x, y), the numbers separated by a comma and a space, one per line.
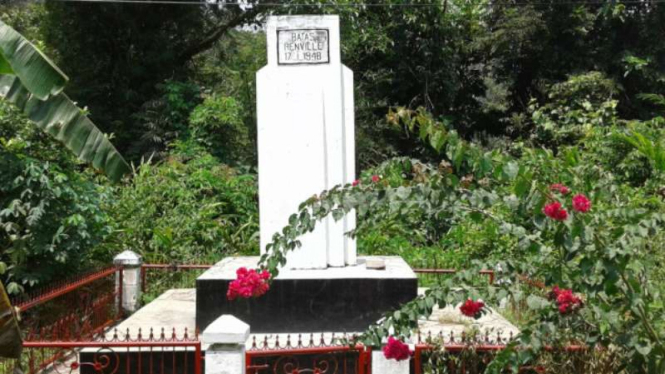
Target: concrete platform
(346, 298)
(176, 308)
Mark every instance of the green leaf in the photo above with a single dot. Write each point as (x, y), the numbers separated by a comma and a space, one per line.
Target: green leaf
(644, 348)
(37, 73)
(63, 120)
(536, 302)
(511, 169)
(5, 68)
(476, 216)
(437, 140)
(10, 335)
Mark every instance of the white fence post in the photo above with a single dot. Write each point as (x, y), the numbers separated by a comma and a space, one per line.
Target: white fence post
(382, 365)
(226, 338)
(131, 279)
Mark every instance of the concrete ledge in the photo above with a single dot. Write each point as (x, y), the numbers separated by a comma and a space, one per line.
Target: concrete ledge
(396, 268)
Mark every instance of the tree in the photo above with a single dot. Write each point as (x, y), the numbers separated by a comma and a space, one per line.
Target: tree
(119, 66)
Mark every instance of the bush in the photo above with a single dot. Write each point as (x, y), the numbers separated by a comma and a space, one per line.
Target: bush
(187, 208)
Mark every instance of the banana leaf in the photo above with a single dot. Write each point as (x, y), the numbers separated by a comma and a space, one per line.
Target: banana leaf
(62, 119)
(10, 336)
(21, 58)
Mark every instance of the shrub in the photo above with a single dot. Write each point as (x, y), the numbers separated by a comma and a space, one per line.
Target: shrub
(50, 215)
(187, 208)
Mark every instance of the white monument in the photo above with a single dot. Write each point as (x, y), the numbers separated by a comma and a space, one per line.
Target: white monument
(305, 134)
(306, 145)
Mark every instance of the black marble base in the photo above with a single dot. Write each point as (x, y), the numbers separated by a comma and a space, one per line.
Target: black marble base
(306, 304)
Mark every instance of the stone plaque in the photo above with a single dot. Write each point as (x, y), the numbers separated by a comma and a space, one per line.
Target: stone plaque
(302, 47)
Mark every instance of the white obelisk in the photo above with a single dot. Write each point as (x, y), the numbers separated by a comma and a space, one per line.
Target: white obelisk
(305, 134)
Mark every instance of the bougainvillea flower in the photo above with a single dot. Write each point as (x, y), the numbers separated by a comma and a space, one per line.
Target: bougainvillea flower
(566, 300)
(249, 283)
(396, 350)
(581, 203)
(355, 182)
(375, 178)
(472, 308)
(560, 188)
(555, 211)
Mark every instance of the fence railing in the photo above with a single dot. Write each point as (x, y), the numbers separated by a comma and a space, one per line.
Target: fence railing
(187, 275)
(79, 307)
(76, 309)
(152, 353)
(307, 355)
(62, 339)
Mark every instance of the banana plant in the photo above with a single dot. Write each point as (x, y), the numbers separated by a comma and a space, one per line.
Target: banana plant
(10, 336)
(29, 80)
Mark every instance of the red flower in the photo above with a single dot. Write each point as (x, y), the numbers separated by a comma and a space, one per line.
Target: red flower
(560, 188)
(472, 308)
(74, 365)
(566, 301)
(355, 182)
(375, 178)
(581, 203)
(97, 366)
(396, 350)
(248, 284)
(555, 211)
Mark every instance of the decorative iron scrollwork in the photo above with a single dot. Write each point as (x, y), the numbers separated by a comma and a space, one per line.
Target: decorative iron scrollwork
(320, 364)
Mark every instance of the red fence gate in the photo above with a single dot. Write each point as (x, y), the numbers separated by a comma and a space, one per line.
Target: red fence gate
(307, 358)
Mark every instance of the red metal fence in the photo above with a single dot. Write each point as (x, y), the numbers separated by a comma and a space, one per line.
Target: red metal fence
(160, 353)
(307, 357)
(157, 278)
(76, 308)
(65, 330)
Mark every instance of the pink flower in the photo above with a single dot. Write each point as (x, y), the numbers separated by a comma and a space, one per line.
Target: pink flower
(560, 188)
(555, 211)
(581, 203)
(375, 178)
(396, 350)
(249, 283)
(355, 182)
(472, 308)
(566, 301)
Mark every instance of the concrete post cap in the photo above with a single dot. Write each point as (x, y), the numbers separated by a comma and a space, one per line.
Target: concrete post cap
(226, 329)
(128, 258)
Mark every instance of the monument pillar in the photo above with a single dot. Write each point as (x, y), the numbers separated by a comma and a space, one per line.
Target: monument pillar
(306, 146)
(305, 134)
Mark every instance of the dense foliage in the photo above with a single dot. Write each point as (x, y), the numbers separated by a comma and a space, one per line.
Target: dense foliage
(188, 209)
(50, 211)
